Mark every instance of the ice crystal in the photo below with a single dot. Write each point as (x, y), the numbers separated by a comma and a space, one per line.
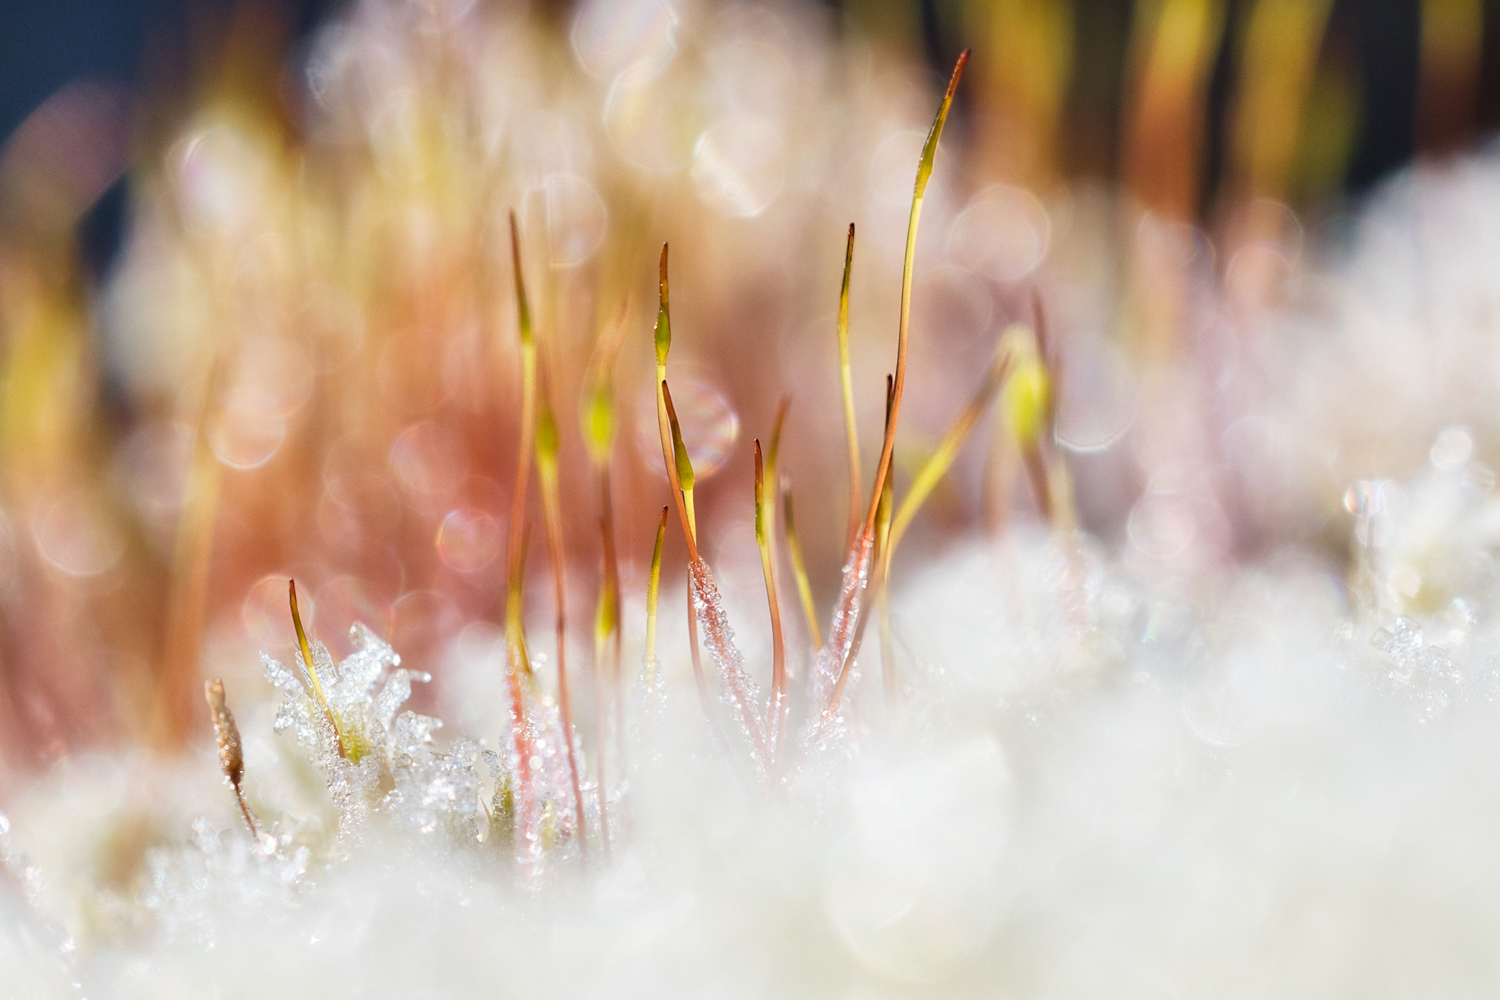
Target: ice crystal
(718, 640)
(532, 807)
(1424, 672)
(365, 740)
(841, 631)
(189, 887)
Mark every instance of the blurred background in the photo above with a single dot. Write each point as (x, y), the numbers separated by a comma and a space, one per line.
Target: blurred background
(255, 304)
(1370, 57)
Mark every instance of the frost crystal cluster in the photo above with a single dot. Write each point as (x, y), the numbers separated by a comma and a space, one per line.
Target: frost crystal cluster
(1207, 707)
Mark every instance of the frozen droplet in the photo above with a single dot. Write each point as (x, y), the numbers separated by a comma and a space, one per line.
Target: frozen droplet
(429, 462)
(1436, 663)
(1165, 244)
(468, 540)
(74, 535)
(1099, 400)
(349, 598)
(1478, 477)
(1406, 637)
(739, 165)
(1004, 233)
(576, 219)
(1162, 526)
(610, 36)
(245, 441)
(1259, 274)
(152, 463)
(1364, 497)
(1452, 449)
(221, 177)
(651, 121)
(266, 612)
(709, 426)
(271, 379)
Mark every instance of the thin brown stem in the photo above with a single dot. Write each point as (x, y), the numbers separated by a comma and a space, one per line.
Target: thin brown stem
(924, 173)
(882, 537)
(776, 710)
(547, 478)
(663, 341)
(846, 387)
(519, 674)
(606, 628)
(864, 546)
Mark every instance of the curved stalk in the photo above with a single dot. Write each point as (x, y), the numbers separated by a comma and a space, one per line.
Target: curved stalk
(764, 512)
(547, 480)
(799, 569)
(519, 674)
(849, 616)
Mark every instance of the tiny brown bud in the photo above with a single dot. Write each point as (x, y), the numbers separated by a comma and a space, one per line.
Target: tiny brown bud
(231, 756)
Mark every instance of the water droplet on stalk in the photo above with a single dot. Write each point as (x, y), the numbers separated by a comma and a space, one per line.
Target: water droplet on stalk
(468, 540)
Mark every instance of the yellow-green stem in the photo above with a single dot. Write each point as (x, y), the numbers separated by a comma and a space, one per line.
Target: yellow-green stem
(937, 465)
(547, 479)
(799, 569)
(520, 659)
(653, 594)
(349, 751)
(864, 544)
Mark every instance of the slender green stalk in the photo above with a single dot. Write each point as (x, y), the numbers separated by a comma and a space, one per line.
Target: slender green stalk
(799, 569)
(653, 594)
(520, 660)
(773, 475)
(669, 443)
(866, 542)
(919, 193)
(348, 746)
(547, 480)
(598, 420)
(937, 465)
(682, 463)
(519, 675)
